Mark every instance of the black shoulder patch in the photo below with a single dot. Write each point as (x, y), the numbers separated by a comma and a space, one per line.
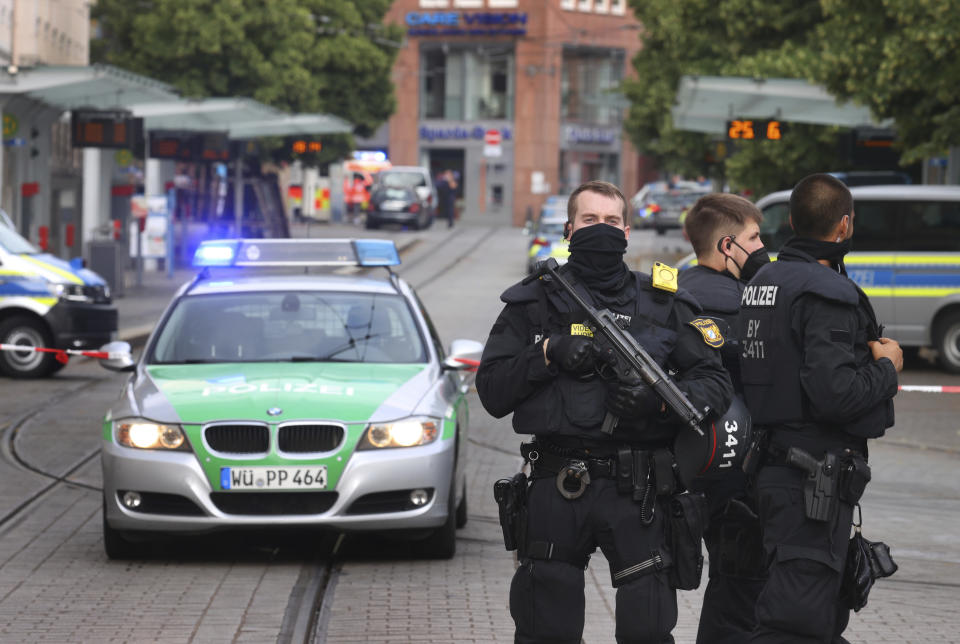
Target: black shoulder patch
(520, 292)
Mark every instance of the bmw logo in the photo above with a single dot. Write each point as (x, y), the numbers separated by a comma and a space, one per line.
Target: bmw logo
(274, 411)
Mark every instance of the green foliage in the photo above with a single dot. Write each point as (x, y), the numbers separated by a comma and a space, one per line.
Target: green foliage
(896, 56)
(330, 56)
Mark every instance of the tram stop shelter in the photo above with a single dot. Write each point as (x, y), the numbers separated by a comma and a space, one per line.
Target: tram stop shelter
(33, 99)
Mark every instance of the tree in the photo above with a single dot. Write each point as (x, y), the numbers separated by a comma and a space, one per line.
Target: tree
(330, 56)
(727, 38)
(899, 57)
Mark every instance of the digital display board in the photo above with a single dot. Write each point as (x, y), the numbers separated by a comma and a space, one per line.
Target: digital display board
(189, 146)
(105, 129)
(754, 130)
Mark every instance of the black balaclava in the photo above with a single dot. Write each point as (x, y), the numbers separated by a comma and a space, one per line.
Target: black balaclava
(833, 252)
(596, 256)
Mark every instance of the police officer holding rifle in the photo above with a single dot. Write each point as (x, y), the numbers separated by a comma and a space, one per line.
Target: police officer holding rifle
(819, 378)
(582, 356)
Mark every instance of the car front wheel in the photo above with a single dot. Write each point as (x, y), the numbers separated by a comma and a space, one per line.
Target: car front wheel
(25, 332)
(442, 544)
(117, 546)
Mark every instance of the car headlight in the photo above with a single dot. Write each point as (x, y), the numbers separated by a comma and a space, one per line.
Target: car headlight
(144, 434)
(71, 292)
(407, 432)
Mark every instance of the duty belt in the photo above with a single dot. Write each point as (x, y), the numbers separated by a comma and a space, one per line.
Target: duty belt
(546, 462)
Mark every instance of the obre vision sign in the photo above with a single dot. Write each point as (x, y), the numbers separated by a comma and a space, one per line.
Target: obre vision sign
(459, 23)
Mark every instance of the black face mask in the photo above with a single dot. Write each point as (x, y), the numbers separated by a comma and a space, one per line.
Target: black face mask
(754, 262)
(596, 256)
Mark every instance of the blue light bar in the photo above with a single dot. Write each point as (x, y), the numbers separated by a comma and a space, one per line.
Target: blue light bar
(376, 252)
(216, 253)
(296, 253)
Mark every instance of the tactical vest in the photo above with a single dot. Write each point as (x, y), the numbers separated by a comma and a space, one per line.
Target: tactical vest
(575, 407)
(719, 297)
(771, 357)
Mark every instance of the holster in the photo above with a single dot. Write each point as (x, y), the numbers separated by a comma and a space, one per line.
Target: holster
(511, 497)
(685, 526)
(854, 476)
(822, 485)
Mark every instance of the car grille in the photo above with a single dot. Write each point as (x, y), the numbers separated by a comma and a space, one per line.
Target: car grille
(93, 320)
(238, 439)
(273, 503)
(309, 438)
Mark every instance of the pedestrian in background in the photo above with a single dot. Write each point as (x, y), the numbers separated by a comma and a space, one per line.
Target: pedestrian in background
(724, 230)
(447, 196)
(819, 379)
(590, 488)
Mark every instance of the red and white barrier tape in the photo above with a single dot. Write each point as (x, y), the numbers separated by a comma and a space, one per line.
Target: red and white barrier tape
(932, 389)
(63, 355)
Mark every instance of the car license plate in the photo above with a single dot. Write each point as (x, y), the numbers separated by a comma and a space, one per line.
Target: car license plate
(392, 205)
(273, 478)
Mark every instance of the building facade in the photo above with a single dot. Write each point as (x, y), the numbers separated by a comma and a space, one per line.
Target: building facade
(518, 97)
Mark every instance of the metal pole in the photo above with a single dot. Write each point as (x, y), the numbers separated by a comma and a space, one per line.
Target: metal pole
(238, 196)
(171, 208)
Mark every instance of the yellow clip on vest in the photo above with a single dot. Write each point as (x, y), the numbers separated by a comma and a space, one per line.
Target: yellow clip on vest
(664, 277)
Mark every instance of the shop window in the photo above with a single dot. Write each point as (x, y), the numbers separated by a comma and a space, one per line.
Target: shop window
(588, 86)
(502, 4)
(467, 84)
(434, 4)
(585, 5)
(601, 6)
(569, 5)
(618, 7)
(468, 4)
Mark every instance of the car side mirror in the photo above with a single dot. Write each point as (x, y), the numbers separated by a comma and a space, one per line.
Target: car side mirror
(118, 357)
(463, 355)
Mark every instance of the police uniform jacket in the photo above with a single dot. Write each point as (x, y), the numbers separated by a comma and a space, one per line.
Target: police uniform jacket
(551, 403)
(806, 367)
(718, 294)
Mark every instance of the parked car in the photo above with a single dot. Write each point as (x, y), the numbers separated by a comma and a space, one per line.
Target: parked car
(285, 399)
(397, 205)
(547, 239)
(411, 176)
(664, 209)
(47, 302)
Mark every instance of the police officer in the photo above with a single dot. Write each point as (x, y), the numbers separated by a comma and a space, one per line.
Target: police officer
(540, 363)
(724, 230)
(820, 378)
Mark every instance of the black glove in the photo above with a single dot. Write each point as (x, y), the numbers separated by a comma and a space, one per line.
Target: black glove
(573, 353)
(633, 400)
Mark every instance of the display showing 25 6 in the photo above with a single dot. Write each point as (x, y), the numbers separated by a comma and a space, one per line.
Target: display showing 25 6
(749, 129)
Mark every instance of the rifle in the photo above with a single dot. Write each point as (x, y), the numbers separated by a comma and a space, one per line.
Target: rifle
(628, 358)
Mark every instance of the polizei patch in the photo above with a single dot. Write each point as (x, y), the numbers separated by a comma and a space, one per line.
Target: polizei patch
(759, 295)
(709, 330)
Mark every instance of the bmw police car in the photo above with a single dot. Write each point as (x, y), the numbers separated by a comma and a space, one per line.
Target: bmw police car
(47, 302)
(284, 399)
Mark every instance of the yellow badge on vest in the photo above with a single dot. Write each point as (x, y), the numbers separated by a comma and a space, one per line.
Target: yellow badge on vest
(709, 330)
(664, 277)
(580, 329)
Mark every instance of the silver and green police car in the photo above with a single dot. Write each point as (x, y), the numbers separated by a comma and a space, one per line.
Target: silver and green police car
(268, 398)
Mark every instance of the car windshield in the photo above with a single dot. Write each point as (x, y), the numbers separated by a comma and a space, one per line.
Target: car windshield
(401, 179)
(395, 193)
(674, 200)
(550, 229)
(292, 326)
(12, 242)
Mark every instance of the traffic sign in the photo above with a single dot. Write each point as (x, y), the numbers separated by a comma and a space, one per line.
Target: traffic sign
(492, 137)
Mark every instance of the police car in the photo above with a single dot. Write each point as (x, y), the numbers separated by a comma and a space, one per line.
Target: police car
(270, 398)
(49, 303)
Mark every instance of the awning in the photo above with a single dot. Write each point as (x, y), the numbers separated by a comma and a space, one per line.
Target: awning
(111, 88)
(706, 103)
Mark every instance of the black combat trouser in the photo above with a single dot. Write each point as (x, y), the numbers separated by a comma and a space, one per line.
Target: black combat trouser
(547, 595)
(800, 603)
(737, 574)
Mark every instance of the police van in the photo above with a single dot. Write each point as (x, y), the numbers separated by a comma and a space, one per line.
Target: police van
(47, 302)
(270, 397)
(905, 256)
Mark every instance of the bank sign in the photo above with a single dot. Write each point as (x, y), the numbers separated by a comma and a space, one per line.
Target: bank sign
(463, 23)
(462, 133)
